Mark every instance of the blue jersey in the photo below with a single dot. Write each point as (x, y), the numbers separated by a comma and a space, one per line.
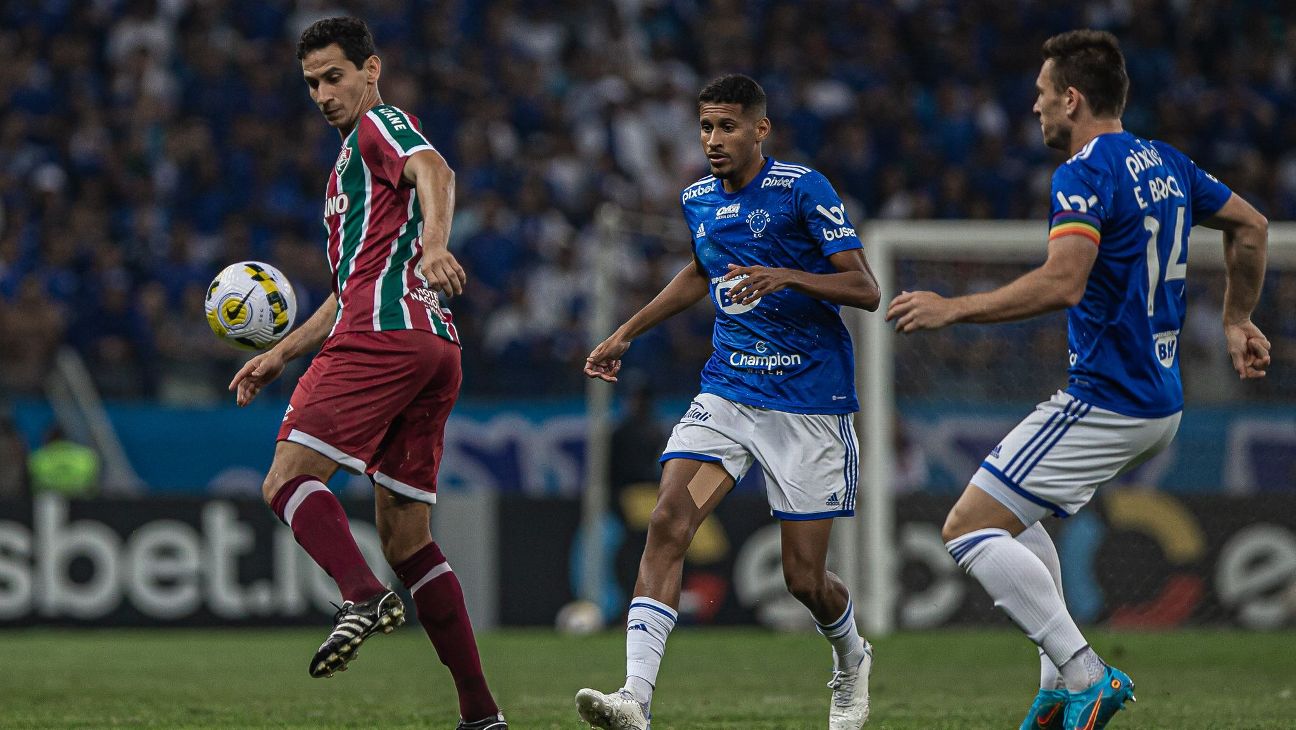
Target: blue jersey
(786, 351)
(1136, 199)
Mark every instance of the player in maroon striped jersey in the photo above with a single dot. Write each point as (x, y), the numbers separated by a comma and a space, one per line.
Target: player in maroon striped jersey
(376, 397)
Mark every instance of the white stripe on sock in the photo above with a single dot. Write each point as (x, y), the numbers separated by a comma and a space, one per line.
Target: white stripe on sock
(436, 572)
(304, 490)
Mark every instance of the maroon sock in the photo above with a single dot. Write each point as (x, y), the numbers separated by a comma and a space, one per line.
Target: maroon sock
(321, 528)
(438, 598)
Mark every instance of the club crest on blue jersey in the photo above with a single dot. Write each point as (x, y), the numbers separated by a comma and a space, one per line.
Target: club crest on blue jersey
(758, 220)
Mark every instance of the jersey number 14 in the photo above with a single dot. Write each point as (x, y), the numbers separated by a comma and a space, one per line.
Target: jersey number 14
(1174, 270)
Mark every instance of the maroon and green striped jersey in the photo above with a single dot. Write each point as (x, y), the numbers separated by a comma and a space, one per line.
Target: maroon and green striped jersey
(374, 224)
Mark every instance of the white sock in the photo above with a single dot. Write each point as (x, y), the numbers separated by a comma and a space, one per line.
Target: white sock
(848, 646)
(1037, 540)
(1083, 670)
(648, 624)
(1020, 584)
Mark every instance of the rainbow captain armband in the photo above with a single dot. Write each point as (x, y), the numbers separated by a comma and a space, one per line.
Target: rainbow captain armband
(1075, 223)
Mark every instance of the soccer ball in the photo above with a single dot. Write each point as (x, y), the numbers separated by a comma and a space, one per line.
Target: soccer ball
(251, 305)
(579, 618)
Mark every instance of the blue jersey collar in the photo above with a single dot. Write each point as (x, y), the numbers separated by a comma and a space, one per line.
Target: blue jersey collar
(730, 196)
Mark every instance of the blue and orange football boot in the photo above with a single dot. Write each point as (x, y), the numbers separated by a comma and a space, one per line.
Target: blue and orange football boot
(1047, 711)
(1093, 708)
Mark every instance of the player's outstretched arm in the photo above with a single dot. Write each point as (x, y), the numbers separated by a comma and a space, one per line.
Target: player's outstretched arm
(1059, 283)
(853, 285)
(434, 184)
(1246, 243)
(264, 368)
(686, 289)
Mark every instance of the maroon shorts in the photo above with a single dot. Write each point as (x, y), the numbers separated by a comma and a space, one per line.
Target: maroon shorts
(377, 403)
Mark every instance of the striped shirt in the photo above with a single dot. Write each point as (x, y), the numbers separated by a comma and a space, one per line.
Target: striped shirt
(374, 223)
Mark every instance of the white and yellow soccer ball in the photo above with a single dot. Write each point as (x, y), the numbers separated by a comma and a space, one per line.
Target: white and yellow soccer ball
(251, 305)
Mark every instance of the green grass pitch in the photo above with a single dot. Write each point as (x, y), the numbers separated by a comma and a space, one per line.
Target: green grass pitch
(711, 678)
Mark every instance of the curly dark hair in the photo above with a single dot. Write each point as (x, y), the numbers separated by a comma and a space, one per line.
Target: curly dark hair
(735, 89)
(351, 35)
(1091, 61)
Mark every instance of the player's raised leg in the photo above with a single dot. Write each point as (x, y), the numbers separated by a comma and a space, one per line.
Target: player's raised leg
(690, 490)
(805, 551)
(295, 490)
(438, 601)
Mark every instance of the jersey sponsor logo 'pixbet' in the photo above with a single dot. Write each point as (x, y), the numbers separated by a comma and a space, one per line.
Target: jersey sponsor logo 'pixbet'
(777, 182)
(1142, 159)
(692, 193)
(336, 205)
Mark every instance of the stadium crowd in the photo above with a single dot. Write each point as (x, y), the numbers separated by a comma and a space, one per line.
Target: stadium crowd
(144, 144)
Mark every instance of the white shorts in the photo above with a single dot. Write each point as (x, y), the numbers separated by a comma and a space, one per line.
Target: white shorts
(1052, 462)
(811, 461)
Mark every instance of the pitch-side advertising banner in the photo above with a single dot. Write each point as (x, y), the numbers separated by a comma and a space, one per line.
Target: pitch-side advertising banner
(1136, 558)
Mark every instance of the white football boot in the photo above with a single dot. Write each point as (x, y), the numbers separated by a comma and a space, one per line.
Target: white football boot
(850, 697)
(616, 711)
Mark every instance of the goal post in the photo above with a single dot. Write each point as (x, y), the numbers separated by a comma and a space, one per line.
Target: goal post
(1019, 244)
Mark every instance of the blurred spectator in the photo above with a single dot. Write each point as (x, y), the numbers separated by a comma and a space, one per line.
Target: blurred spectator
(64, 467)
(148, 143)
(13, 461)
(31, 330)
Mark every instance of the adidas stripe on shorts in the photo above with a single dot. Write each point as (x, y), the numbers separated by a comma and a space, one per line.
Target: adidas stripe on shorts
(810, 461)
(1053, 460)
